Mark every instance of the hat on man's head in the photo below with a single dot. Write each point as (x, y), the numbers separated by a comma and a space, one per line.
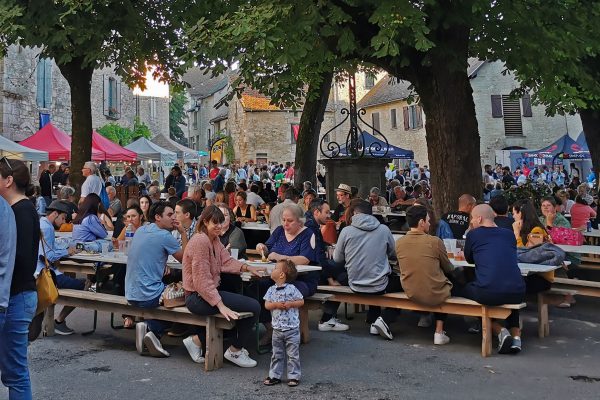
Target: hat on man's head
(344, 188)
(60, 206)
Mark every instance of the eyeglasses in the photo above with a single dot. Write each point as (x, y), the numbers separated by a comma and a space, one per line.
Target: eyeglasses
(7, 163)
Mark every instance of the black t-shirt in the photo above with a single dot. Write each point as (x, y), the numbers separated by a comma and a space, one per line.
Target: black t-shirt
(28, 239)
(458, 221)
(504, 222)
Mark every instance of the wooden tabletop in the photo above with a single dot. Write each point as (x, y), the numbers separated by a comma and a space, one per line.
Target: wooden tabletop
(526, 268)
(115, 258)
(257, 226)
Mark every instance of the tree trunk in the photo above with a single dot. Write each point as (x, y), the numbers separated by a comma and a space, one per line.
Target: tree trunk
(590, 119)
(452, 135)
(310, 128)
(80, 82)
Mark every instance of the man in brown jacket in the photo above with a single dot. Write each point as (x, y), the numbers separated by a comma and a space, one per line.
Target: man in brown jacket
(423, 264)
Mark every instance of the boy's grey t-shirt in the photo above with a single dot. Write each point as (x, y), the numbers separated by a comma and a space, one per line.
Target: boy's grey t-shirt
(146, 260)
(284, 320)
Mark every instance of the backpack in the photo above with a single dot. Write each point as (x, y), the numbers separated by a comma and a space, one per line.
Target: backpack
(104, 197)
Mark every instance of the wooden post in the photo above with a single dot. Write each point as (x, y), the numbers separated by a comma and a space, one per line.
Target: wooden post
(213, 359)
(304, 330)
(48, 322)
(543, 324)
(486, 333)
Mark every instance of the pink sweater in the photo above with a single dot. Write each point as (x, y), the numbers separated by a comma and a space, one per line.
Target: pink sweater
(203, 262)
(580, 215)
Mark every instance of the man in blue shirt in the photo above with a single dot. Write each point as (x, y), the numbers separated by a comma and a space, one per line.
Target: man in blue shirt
(56, 213)
(146, 265)
(498, 278)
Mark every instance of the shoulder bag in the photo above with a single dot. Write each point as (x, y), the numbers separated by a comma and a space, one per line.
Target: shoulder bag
(46, 288)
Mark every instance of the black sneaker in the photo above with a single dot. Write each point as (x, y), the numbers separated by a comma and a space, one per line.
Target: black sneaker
(505, 342)
(61, 328)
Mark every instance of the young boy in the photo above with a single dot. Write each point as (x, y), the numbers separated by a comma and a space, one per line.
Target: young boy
(284, 300)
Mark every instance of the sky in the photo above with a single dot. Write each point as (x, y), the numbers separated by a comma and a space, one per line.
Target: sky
(154, 88)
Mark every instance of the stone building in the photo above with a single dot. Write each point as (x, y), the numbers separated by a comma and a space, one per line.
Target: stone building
(33, 90)
(503, 123)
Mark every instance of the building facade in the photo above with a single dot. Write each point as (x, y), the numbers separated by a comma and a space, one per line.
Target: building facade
(34, 91)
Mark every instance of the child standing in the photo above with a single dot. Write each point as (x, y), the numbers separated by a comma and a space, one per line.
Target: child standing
(284, 300)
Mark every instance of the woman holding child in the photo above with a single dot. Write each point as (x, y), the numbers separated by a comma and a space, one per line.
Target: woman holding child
(204, 259)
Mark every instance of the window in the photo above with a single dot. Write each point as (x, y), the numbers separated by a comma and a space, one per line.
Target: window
(526, 102)
(393, 120)
(152, 108)
(295, 128)
(496, 106)
(369, 81)
(326, 138)
(195, 120)
(44, 83)
(112, 97)
(511, 108)
(375, 122)
(413, 117)
(261, 158)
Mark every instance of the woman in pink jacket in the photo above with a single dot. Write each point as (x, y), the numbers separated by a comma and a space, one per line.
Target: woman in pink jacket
(204, 259)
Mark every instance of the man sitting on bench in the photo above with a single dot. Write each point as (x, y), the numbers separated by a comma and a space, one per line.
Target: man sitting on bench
(146, 265)
(498, 279)
(364, 246)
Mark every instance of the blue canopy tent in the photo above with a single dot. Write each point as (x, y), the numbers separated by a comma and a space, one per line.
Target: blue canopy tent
(377, 148)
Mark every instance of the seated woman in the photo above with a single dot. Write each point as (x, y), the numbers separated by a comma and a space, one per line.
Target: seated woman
(243, 211)
(232, 237)
(87, 227)
(105, 218)
(308, 196)
(145, 203)
(204, 260)
(529, 231)
(581, 213)
(230, 194)
(293, 241)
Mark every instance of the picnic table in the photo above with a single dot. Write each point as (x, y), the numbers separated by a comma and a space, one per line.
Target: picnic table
(255, 226)
(255, 233)
(69, 235)
(585, 249)
(114, 258)
(526, 268)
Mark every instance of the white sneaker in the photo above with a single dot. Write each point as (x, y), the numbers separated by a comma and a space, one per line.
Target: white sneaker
(194, 350)
(440, 338)
(154, 347)
(333, 324)
(140, 331)
(383, 329)
(373, 331)
(424, 321)
(240, 358)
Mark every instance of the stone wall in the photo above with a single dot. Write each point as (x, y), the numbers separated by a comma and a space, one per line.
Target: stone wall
(538, 130)
(19, 112)
(205, 114)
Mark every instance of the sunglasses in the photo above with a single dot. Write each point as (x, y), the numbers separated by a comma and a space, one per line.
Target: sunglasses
(8, 163)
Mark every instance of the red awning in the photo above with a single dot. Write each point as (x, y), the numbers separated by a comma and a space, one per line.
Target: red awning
(56, 143)
(112, 151)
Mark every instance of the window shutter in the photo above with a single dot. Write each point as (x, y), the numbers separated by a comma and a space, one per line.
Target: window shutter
(118, 98)
(39, 91)
(526, 101)
(375, 121)
(496, 106)
(419, 114)
(105, 94)
(47, 82)
(393, 120)
(406, 118)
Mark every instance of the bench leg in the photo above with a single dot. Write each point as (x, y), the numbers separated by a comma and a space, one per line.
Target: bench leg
(304, 330)
(543, 323)
(486, 333)
(213, 359)
(48, 323)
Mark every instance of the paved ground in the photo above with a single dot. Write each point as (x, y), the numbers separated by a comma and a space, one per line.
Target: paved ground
(350, 365)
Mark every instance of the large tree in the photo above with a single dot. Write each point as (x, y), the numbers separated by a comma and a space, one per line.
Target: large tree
(83, 35)
(177, 114)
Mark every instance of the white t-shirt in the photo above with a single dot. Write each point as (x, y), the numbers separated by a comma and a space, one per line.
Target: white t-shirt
(254, 199)
(92, 184)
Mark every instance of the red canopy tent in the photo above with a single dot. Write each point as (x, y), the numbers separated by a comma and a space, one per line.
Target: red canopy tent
(56, 143)
(112, 151)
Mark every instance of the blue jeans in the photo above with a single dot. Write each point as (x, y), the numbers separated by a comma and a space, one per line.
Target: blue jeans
(66, 282)
(155, 326)
(14, 327)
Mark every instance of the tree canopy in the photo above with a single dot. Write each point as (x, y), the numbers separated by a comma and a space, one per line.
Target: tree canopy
(123, 135)
(177, 114)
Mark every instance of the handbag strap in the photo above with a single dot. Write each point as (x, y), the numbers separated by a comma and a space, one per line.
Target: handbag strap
(44, 244)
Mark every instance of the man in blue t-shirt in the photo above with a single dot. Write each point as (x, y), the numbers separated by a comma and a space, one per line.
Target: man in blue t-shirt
(146, 262)
(498, 278)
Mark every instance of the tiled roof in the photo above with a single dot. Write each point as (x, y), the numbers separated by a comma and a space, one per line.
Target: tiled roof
(202, 84)
(253, 100)
(474, 65)
(387, 90)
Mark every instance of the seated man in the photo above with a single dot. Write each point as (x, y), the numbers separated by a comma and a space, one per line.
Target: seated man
(365, 246)
(146, 265)
(331, 273)
(498, 279)
(56, 213)
(402, 198)
(423, 264)
(459, 220)
(116, 208)
(375, 199)
(499, 205)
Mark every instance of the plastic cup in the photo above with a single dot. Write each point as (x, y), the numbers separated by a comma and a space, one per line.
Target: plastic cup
(105, 247)
(122, 246)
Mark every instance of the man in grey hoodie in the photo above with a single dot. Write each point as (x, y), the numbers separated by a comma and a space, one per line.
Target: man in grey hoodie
(364, 247)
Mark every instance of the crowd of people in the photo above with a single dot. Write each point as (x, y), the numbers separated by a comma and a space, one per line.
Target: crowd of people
(197, 222)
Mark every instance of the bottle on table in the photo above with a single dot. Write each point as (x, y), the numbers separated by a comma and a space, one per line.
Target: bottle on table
(128, 237)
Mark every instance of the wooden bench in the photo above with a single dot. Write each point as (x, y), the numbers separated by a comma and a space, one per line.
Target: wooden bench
(553, 296)
(583, 288)
(313, 302)
(454, 305)
(118, 304)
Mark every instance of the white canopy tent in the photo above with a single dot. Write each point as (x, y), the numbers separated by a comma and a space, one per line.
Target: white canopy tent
(152, 153)
(10, 149)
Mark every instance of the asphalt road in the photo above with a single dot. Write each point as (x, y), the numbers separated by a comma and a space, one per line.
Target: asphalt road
(348, 365)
